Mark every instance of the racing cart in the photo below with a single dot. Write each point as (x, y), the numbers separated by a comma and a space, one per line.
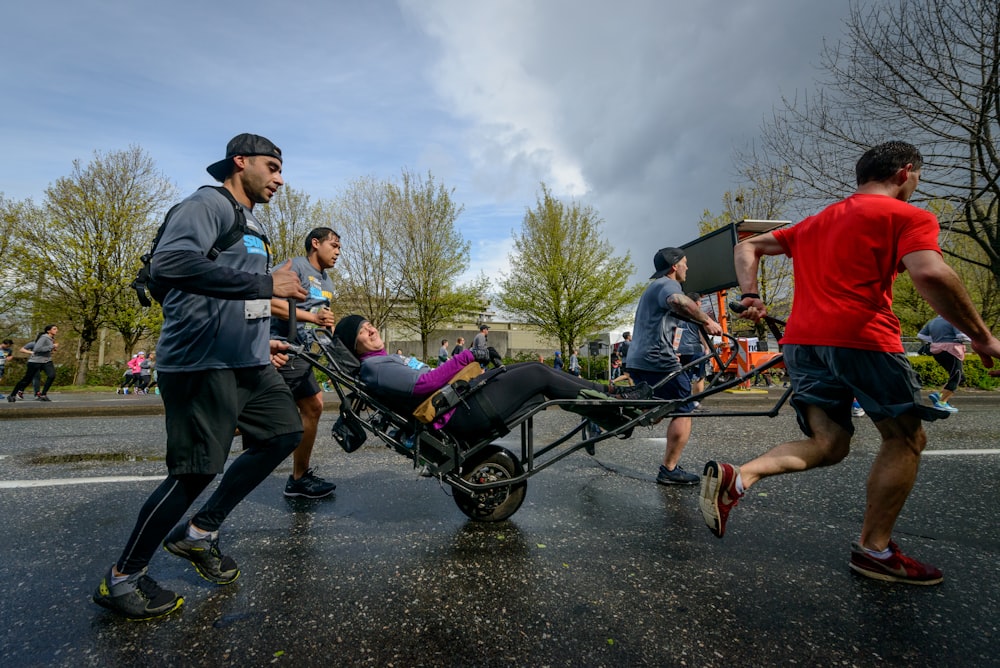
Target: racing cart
(489, 481)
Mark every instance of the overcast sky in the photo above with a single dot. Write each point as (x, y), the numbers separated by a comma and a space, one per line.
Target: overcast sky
(633, 107)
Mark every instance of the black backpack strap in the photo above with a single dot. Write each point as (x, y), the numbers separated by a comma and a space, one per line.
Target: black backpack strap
(235, 232)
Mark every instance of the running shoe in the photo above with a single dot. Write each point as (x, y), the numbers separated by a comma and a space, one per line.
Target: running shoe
(632, 392)
(310, 486)
(204, 553)
(934, 397)
(718, 495)
(138, 597)
(11, 398)
(857, 410)
(42, 397)
(677, 476)
(896, 568)
(945, 406)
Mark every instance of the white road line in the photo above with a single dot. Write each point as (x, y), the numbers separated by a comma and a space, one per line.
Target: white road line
(983, 451)
(52, 482)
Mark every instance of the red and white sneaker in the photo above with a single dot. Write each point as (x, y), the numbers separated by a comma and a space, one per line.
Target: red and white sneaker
(718, 495)
(896, 568)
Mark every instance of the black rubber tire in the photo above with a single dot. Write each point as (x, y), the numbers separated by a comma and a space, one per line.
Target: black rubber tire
(493, 463)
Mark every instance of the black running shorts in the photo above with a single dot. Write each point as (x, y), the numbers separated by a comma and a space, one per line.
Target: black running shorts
(204, 408)
(831, 378)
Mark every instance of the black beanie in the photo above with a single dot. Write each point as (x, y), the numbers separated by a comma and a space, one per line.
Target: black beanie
(347, 330)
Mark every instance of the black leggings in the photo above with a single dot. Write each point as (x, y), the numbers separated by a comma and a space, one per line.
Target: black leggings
(508, 391)
(167, 504)
(34, 368)
(953, 366)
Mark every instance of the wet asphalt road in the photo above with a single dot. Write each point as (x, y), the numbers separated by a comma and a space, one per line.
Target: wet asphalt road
(600, 566)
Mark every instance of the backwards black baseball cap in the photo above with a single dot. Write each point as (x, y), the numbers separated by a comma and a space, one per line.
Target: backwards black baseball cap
(665, 259)
(244, 144)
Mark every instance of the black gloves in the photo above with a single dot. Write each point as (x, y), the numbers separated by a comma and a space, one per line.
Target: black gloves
(488, 356)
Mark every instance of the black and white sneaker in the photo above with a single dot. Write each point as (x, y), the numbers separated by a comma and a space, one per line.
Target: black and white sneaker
(310, 486)
(138, 597)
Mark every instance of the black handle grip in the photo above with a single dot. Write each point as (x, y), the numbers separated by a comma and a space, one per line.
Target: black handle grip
(293, 328)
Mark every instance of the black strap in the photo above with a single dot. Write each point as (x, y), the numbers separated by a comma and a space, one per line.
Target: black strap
(222, 242)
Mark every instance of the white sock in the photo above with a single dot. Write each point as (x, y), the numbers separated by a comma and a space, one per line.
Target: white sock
(878, 554)
(117, 579)
(196, 533)
(739, 484)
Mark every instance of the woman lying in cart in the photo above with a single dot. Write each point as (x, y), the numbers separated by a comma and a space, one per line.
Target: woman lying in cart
(505, 390)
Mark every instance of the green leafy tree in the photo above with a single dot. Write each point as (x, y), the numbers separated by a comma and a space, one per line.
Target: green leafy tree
(11, 285)
(765, 197)
(132, 321)
(925, 72)
(564, 279)
(432, 255)
(287, 219)
(84, 243)
(368, 276)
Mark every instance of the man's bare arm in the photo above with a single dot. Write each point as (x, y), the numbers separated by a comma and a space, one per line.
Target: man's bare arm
(943, 289)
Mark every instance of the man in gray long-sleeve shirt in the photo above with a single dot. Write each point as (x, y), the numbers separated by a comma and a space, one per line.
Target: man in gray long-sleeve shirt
(215, 374)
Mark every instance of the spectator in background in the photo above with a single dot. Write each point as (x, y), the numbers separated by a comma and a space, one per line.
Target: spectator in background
(557, 361)
(130, 375)
(145, 374)
(5, 352)
(28, 349)
(574, 362)
(948, 348)
(40, 360)
(623, 349)
(481, 342)
(443, 352)
(616, 368)
(136, 368)
(459, 346)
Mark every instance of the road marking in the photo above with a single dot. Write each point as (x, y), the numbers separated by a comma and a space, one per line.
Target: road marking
(52, 482)
(982, 451)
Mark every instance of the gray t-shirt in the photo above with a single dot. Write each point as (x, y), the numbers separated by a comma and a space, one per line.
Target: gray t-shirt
(656, 331)
(201, 332)
(320, 289)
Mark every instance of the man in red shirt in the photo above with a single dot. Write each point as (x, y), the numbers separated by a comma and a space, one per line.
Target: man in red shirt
(843, 341)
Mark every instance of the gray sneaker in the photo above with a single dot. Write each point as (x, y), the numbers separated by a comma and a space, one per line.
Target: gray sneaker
(138, 597)
(210, 563)
(676, 477)
(310, 486)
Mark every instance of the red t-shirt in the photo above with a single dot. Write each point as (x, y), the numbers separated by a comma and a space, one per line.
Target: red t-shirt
(845, 259)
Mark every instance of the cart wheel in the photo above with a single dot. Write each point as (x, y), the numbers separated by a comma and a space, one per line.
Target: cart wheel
(494, 505)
